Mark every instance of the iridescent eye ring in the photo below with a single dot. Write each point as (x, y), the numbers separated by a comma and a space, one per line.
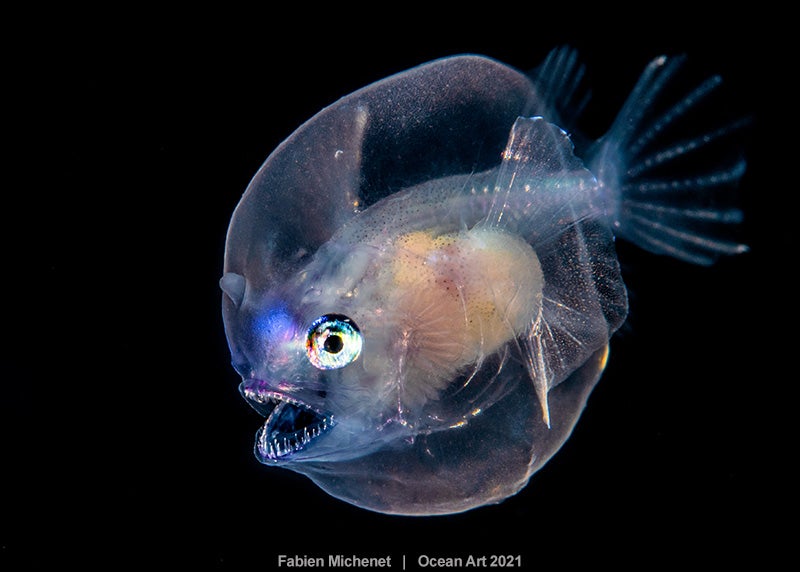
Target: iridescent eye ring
(333, 341)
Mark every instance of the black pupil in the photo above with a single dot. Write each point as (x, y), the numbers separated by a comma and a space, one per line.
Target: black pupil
(333, 344)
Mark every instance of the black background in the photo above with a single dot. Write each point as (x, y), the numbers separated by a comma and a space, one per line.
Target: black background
(124, 438)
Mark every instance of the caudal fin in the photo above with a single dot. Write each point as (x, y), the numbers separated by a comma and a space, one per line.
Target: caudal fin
(667, 182)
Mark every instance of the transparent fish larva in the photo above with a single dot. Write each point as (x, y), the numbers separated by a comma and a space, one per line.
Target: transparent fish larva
(420, 283)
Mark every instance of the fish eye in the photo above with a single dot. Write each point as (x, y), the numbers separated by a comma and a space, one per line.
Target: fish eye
(333, 341)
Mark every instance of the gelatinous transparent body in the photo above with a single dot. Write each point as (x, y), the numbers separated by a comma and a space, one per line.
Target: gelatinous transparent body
(421, 282)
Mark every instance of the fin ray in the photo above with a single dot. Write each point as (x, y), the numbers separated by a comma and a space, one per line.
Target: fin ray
(669, 193)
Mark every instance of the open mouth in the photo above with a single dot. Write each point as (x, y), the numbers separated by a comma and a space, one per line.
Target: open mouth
(290, 427)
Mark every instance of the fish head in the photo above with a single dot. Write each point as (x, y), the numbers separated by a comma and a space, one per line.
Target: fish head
(301, 355)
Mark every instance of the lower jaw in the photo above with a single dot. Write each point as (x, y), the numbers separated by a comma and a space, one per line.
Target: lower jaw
(280, 440)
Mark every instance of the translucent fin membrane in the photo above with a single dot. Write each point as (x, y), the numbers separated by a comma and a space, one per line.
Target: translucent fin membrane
(667, 181)
(560, 84)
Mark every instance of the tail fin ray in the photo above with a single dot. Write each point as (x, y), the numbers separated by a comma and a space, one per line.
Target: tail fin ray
(671, 194)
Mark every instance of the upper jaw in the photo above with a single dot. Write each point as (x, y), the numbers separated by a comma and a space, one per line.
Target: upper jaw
(291, 425)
